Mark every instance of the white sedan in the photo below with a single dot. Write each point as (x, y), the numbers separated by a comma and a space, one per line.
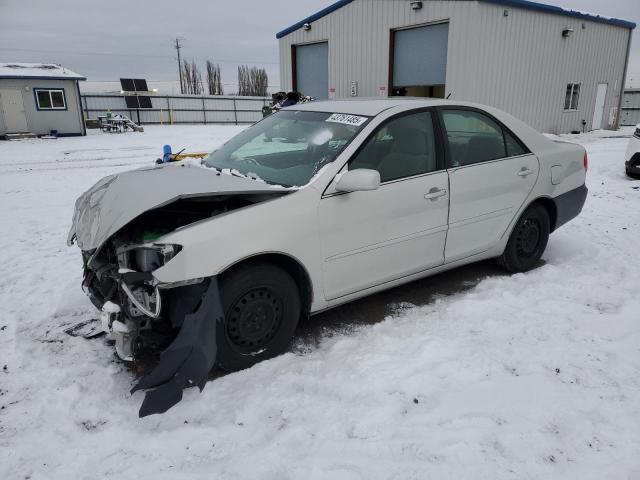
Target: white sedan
(632, 157)
(312, 207)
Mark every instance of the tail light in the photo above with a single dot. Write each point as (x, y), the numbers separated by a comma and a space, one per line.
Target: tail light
(586, 161)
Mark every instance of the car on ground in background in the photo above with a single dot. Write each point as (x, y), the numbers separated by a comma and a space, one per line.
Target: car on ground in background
(632, 156)
(314, 206)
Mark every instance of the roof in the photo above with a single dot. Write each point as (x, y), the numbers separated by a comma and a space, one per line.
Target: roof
(526, 4)
(50, 71)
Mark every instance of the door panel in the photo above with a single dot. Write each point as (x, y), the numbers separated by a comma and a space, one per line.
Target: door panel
(12, 105)
(484, 199)
(312, 69)
(420, 55)
(374, 237)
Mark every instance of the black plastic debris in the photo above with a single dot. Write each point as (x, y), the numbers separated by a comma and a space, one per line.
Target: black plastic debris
(189, 358)
(88, 329)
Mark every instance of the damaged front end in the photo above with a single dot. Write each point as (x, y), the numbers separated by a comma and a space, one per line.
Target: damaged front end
(119, 225)
(119, 282)
(139, 314)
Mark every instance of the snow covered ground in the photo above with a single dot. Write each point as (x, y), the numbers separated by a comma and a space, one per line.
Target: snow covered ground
(525, 376)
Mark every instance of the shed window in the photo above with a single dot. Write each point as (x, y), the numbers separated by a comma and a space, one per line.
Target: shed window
(50, 99)
(571, 98)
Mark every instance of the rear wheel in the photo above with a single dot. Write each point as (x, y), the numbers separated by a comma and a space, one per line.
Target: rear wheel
(262, 308)
(528, 240)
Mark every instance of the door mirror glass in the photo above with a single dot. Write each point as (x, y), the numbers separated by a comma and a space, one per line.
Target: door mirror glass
(358, 180)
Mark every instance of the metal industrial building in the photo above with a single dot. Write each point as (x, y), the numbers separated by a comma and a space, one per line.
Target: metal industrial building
(556, 69)
(38, 98)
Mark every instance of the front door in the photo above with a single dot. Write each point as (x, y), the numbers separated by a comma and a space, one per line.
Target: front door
(373, 237)
(598, 112)
(491, 174)
(15, 119)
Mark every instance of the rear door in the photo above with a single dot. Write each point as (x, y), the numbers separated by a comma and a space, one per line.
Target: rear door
(491, 174)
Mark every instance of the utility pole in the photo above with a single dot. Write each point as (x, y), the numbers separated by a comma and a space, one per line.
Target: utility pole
(178, 47)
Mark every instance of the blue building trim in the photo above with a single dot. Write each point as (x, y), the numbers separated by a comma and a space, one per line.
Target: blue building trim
(525, 4)
(541, 7)
(322, 13)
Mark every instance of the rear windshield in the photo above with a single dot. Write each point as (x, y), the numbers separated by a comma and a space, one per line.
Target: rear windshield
(289, 147)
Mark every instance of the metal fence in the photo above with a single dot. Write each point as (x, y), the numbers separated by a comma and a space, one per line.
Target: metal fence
(630, 113)
(174, 109)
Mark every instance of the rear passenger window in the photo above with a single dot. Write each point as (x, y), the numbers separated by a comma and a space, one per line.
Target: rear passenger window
(473, 137)
(403, 147)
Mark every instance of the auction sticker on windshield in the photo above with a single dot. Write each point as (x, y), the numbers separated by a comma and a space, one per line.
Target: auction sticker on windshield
(347, 119)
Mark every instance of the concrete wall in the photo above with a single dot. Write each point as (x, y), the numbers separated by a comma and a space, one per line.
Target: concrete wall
(519, 63)
(41, 122)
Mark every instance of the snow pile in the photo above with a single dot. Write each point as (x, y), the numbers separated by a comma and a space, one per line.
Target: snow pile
(531, 375)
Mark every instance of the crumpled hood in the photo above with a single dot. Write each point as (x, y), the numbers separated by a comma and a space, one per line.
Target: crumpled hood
(117, 199)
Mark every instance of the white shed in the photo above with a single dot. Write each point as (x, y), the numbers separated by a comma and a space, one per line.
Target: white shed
(38, 98)
(557, 69)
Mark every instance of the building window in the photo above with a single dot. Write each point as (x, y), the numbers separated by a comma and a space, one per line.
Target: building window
(53, 99)
(571, 98)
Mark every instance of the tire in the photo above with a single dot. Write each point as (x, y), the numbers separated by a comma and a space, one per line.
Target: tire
(528, 240)
(635, 176)
(262, 307)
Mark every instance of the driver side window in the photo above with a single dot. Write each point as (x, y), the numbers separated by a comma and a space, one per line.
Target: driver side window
(403, 147)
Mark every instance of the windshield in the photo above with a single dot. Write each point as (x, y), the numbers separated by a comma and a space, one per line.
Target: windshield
(287, 148)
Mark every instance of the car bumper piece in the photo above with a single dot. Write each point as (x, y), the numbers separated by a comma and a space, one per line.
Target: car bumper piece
(569, 204)
(189, 358)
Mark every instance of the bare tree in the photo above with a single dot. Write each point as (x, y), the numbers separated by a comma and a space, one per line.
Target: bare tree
(192, 78)
(214, 79)
(252, 81)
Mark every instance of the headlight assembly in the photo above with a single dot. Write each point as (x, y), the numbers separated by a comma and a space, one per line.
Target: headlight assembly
(146, 257)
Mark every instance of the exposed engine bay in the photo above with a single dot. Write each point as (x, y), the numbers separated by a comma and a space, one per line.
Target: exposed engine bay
(141, 314)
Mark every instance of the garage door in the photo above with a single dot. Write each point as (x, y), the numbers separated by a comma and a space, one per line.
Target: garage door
(312, 69)
(420, 60)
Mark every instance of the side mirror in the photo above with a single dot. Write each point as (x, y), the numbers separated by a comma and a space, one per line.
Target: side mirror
(358, 180)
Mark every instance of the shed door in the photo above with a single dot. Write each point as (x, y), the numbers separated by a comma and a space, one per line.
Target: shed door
(312, 69)
(420, 61)
(598, 112)
(15, 119)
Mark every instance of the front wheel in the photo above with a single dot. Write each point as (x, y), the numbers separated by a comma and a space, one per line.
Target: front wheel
(528, 240)
(262, 307)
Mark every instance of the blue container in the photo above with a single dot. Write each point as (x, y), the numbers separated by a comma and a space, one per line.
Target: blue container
(166, 154)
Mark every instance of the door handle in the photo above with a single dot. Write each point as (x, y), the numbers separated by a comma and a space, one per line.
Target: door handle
(435, 193)
(524, 172)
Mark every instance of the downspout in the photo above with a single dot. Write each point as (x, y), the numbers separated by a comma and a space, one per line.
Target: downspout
(82, 124)
(624, 77)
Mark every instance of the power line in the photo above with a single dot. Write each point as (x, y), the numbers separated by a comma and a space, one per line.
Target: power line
(135, 55)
